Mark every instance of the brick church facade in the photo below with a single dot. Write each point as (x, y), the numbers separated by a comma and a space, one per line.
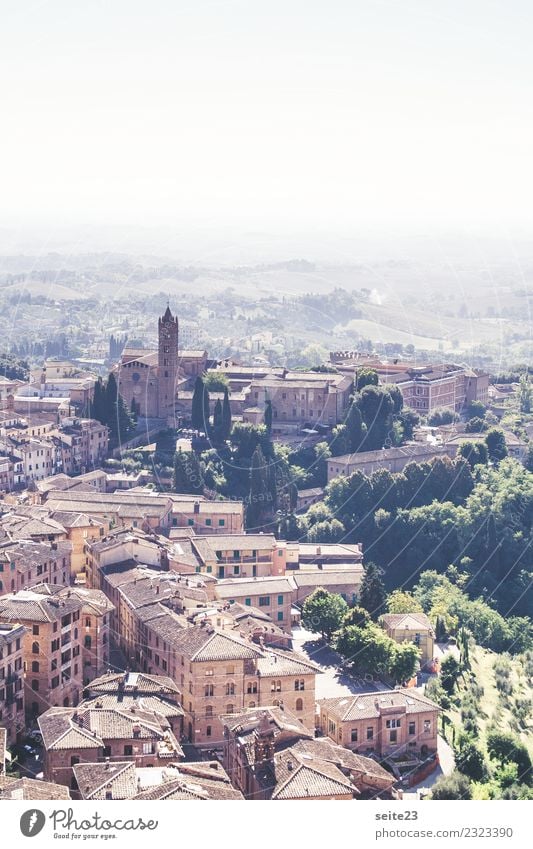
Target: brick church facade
(147, 380)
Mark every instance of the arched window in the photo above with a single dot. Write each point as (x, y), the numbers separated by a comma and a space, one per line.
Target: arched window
(88, 641)
(35, 685)
(209, 690)
(299, 685)
(35, 648)
(230, 689)
(209, 711)
(299, 704)
(275, 687)
(229, 708)
(35, 666)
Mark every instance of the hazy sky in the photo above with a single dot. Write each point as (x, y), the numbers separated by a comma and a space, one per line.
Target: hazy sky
(280, 113)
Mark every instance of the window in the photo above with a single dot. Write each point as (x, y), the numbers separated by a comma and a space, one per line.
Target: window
(251, 687)
(35, 685)
(88, 641)
(208, 521)
(87, 621)
(248, 602)
(35, 666)
(221, 523)
(229, 708)
(412, 728)
(128, 750)
(369, 733)
(354, 735)
(275, 687)
(280, 599)
(208, 731)
(299, 685)
(427, 726)
(209, 711)
(280, 616)
(148, 749)
(35, 648)
(190, 522)
(392, 723)
(74, 760)
(230, 689)
(35, 630)
(299, 704)
(393, 736)
(264, 600)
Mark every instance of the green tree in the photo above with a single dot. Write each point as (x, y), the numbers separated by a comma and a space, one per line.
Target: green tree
(340, 441)
(454, 786)
(215, 381)
(324, 612)
(268, 415)
(197, 410)
(469, 759)
(506, 748)
(376, 406)
(404, 663)
(357, 616)
(496, 445)
(475, 409)
(367, 649)
(226, 415)
(401, 601)
(260, 496)
(372, 593)
(355, 429)
(365, 377)
(525, 394)
(187, 476)
(475, 453)
(449, 670)
(217, 416)
(475, 425)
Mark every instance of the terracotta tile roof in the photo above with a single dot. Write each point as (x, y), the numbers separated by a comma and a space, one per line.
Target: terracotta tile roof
(370, 705)
(280, 662)
(203, 643)
(300, 776)
(412, 621)
(97, 780)
(30, 788)
(33, 606)
(130, 682)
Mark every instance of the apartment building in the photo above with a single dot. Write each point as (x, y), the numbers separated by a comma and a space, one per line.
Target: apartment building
(272, 595)
(382, 723)
(11, 679)
(411, 628)
(218, 673)
(51, 645)
(207, 517)
(96, 730)
(25, 564)
(392, 459)
(270, 755)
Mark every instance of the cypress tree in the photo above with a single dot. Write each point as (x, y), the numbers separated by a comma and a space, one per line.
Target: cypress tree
(372, 595)
(197, 413)
(217, 416)
(268, 416)
(226, 415)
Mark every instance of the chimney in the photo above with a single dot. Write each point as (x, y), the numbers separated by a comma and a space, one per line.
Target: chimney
(290, 766)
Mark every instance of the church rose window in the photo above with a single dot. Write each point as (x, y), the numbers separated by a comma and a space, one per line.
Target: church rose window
(136, 376)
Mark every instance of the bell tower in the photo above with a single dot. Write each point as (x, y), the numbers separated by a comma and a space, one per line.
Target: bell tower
(167, 365)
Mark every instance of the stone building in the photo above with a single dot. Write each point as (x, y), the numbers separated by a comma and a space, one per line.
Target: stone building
(98, 730)
(382, 723)
(11, 679)
(270, 755)
(51, 645)
(412, 628)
